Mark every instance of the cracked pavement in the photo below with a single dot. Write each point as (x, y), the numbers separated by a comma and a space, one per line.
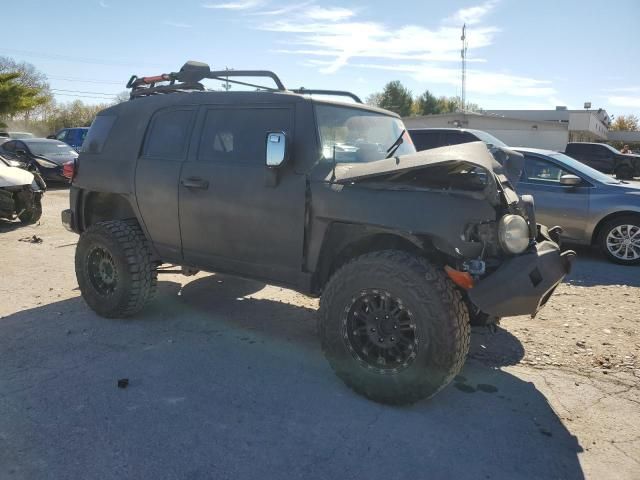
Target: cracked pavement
(227, 380)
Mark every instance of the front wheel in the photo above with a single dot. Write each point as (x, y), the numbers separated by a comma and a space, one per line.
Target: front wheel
(114, 268)
(619, 240)
(33, 213)
(393, 327)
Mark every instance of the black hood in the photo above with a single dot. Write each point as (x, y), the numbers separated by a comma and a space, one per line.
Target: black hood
(58, 159)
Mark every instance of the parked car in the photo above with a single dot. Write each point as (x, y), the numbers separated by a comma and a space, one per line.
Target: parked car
(20, 194)
(47, 157)
(592, 208)
(73, 137)
(426, 138)
(15, 135)
(329, 198)
(605, 158)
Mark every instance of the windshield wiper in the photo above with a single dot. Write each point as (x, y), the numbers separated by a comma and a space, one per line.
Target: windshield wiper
(395, 145)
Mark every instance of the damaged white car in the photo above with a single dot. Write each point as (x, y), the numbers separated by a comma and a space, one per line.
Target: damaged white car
(20, 193)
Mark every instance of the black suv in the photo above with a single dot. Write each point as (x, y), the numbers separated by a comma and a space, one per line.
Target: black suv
(605, 158)
(328, 198)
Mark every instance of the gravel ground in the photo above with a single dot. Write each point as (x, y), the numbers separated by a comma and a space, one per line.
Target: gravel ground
(226, 380)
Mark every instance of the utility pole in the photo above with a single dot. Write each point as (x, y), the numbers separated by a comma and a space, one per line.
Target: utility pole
(463, 54)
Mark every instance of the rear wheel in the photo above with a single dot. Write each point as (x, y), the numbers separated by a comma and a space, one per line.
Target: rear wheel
(114, 268)
(33, 213)
(619, 240)
(393, 327)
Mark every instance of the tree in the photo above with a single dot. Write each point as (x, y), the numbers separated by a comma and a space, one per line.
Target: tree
(427, 104)
(374, 99)
(16, 97)
(397, 98)
(626, 123)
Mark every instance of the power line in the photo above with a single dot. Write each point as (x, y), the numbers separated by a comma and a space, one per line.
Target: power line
(80, 80)
(81, 91)
(74, 59)
(83, 96)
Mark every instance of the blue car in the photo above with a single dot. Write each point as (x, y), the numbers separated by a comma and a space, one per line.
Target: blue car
(73, 137)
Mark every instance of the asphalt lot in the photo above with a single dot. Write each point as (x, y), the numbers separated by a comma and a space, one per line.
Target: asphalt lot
(227, 381)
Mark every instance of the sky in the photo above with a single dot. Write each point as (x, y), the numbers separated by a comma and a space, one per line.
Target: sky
(521, 54)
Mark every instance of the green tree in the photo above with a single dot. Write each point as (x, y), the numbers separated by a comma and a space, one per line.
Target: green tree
(16, 97)
(427, 104)
(397, 98)
(626, 123)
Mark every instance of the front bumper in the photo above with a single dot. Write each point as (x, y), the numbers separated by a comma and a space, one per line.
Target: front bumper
(523, 284)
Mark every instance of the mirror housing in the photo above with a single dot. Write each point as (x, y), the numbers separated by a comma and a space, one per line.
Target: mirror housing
(570, 180)
(276, 149)
(52, 137)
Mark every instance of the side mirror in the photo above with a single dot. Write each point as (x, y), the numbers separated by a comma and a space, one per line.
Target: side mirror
(53, 137)
(276, 149)
(570, 180)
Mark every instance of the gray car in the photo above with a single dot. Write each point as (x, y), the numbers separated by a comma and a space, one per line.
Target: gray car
(591, 207)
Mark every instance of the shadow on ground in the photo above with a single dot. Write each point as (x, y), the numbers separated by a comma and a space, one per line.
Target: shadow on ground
(592, 268)
(222, 386)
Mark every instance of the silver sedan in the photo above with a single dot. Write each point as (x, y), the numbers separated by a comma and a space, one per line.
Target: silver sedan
(591, 207)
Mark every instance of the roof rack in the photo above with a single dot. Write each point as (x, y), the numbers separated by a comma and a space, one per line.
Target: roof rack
(192, 73)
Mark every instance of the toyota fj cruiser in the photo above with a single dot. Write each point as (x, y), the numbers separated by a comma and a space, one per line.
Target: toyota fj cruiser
(328, 198)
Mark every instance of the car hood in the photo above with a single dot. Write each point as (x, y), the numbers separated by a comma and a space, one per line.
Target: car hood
(474, 154)
(13, 176)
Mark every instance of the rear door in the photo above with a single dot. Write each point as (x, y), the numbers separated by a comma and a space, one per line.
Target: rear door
(231, 218)
(165, 147)
(556, 204)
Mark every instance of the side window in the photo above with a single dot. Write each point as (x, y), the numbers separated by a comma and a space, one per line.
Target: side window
(456, 138)
(426, 140)
(98, 133)
(602, 151)
(537, 170)
(9, 146)
(239, 135)
(62, 135)
(168, 134)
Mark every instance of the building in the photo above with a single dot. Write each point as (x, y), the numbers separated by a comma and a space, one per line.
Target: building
(583, 125)
(550, 129)
(512, 131)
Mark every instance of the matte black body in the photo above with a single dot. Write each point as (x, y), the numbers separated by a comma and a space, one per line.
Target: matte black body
(291, 226)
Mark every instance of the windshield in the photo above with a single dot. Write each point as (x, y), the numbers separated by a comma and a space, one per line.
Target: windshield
(359, 136)
(50, 148)
(489, 139)
(585, 169)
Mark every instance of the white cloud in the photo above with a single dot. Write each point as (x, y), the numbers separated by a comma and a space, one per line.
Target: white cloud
(286, 9)
(330, 14)
(471, 15)
(241, 5)
(625, 89)
(624, 101)
(177, 24)
(103, 4)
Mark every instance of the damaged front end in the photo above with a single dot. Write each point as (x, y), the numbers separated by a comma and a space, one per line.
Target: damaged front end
(507, 264)
(20, 194)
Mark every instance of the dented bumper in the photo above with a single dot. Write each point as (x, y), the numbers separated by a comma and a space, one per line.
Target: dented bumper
(523, 284)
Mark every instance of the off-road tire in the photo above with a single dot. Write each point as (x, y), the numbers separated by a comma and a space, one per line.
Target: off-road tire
(32, 214)
(604, 232)
(136, 271)
(440, 315)
(624, 172)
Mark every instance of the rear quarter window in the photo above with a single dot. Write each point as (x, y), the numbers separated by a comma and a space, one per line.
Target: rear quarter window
(168, 134)
(98, 133)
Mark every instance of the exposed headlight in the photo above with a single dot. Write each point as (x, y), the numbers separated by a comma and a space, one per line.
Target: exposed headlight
(45, 163)
(513, 233)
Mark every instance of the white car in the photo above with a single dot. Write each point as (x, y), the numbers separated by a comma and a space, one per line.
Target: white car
(20, 193)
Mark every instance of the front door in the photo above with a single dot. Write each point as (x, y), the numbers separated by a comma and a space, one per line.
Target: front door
(555, 204)
(231, 218)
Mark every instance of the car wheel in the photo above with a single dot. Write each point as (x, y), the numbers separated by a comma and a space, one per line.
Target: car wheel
(394, 328)
(620, 240)
(114, 268)
(33, 213)
(624, 172)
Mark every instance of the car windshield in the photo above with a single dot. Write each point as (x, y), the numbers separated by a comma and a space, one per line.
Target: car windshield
(584, 169)
(50, 148)
(358, 136)
(489, 139)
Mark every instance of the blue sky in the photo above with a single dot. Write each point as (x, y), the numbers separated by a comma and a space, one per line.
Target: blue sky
(521, 54)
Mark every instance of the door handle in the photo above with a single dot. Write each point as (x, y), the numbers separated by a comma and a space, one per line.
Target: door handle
(194, 182)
